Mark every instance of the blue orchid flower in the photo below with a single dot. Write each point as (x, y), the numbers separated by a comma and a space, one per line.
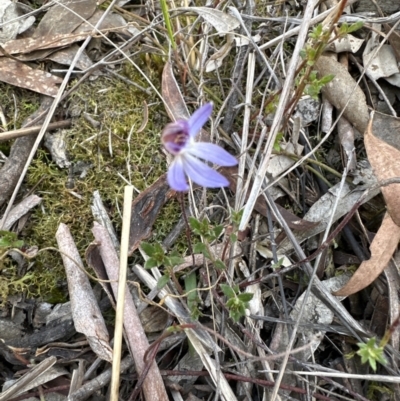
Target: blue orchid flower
(179, 139)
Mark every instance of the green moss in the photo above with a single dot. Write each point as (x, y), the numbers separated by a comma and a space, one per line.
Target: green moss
(114, 149)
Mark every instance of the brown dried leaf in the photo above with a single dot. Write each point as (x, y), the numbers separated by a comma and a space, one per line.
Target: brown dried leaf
(18, 74)
(65, 18)
(382, 248)
(385, 161)
(28, 45)
(145, 209)
(172, 95)
(66, 55)
(342, 88)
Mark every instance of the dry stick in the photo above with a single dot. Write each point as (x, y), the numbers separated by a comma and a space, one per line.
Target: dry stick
(119, 318)
(6, 136)
(51, 113)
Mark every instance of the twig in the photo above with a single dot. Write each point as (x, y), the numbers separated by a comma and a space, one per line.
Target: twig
(6, 136)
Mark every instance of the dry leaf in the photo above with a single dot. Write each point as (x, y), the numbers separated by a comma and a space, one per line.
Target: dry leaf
(16, 73)
(382, 248)
(28, 45)
(172, 95)
(145, 209)
(342, 88)
(65, 17)
(11, 21)
(385, 161)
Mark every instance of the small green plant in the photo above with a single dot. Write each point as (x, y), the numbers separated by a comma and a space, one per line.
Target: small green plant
(278, 139)
(345, 29)
(236, 217)
(372, 353)
(314, 85)
(203, 229)
(237, 302)
(8, 240)
(157, 258)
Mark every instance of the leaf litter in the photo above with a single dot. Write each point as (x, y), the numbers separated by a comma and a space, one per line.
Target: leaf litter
(263, 285)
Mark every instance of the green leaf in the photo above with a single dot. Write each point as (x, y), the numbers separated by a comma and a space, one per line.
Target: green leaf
(205, 227)
(355, 27)
(237, 216)
(148, 248)
(9, 239)
(150, 263)
(371, 353)
(217, 231)
(233, 238)
(162, 281)
(278, 264)
(236, 307)
(194, 224)
(158, 250)
(326, 79)
(311, 53)
(219, 264)
(228, 291)
(201, 248)
(190, 285)
(174, 261)
(245, 296)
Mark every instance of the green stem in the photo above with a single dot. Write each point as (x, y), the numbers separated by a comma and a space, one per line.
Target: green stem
(167, 20)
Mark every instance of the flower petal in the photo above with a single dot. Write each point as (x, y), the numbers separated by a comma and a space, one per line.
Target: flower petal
(199, 118)
(212, 153)
(201, 174)
(176, 175)
(175, 136)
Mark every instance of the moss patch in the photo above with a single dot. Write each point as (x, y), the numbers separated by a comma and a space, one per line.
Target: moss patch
(115, 152)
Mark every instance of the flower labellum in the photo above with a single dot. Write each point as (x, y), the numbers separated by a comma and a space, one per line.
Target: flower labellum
(178, 139)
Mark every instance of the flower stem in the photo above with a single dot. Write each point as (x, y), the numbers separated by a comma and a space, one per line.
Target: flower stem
(168, 25)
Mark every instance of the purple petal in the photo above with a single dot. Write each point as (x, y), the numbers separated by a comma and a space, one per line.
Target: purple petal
(176, 176)
(199, 118)
(212, 153)
(175, 136)
(201, 174)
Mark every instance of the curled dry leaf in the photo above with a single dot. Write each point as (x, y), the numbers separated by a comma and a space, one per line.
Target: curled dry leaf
(382, 248)
(342, 89)
(385, 161)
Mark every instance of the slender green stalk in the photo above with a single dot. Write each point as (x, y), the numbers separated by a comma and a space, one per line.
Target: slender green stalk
(167, 21)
